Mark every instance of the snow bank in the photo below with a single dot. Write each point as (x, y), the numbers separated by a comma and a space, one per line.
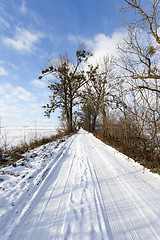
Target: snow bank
(19, 184)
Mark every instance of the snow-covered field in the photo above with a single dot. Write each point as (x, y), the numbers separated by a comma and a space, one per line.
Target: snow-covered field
(12, 136)
(78, 189)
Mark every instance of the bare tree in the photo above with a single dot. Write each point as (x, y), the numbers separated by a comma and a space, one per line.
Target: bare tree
(139, 52)
(67, 79)
(139, 59)
(146, 16)
(97, 93)
(0, 124)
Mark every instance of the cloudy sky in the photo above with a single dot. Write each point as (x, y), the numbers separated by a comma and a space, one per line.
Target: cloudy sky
(34, 31)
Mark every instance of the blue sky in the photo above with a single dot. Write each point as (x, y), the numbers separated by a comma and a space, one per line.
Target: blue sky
(31, 33)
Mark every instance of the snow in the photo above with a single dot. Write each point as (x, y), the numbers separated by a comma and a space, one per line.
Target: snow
(78, 189)
(12, 136)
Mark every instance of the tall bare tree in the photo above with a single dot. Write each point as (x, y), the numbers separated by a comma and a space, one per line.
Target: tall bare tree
(66, 78)
(97, 93)
(139, 58)
(140, 50)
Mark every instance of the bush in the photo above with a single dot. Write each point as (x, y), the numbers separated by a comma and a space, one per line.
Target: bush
(133, 147)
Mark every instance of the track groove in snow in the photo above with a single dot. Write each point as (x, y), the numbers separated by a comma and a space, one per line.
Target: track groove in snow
(92, 192)
(131, 199)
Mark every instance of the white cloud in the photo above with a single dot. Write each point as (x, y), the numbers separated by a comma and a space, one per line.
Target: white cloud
(23, 8)
(39, 83)
(3, 72)
(23, 41)
(16, 94)
(22, 94)
(101, 44)
(76, 39)
(18, 104)
(4, 23)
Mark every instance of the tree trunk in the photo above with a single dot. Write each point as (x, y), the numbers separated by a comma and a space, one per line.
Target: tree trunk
(89, 122)
(70, 127)
(104, 121)
(93, 123)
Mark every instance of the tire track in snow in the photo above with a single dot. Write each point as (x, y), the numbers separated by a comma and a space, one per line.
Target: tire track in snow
(98, 198)
(87, 222)
(147, 189)
(83, 197)
(63, 203)
(78, 197)
(33, 220)
(132, 200)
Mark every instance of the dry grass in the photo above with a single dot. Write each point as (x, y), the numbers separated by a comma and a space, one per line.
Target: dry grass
(12, 155)
(149, 158)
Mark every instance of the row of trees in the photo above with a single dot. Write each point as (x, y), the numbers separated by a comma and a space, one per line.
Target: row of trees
(139, 61)
(81, 91)
(120, 97)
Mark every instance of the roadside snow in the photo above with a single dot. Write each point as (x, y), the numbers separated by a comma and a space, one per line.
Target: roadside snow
(79, 189)
(19, 184)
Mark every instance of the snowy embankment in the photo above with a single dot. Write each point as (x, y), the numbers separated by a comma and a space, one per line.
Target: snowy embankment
(82, 189)
(13, 136)
(18, 185)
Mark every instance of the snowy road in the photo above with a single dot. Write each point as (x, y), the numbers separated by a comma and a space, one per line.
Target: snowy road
(93, 192)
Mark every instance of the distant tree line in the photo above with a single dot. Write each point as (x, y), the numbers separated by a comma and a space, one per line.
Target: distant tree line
(119, 99)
